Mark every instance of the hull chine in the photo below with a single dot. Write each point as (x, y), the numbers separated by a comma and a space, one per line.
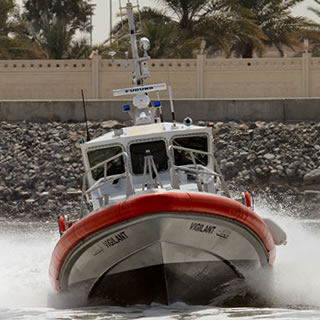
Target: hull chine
(191, 283)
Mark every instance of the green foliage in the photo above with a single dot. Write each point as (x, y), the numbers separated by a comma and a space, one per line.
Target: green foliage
(53, 24)
(167, 39)
(79, 49)
(241, 26)
(279, 27)
(48, 28)
(17, 48)
(75, 14)
(315, 42)
(227, 25)
(14, 40)
(188, 12)
(7, 12)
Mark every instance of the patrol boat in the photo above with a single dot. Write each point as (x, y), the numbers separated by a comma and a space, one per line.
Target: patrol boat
(157, 221)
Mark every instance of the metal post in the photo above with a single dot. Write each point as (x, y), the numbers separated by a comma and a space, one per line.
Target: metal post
(91, 29)
(200, 75)
(172, 107)
(110, 7)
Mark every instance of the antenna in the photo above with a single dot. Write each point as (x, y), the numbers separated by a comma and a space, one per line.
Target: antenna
(160, 107)
(172, 107)
(142, 111)
(110, 18)
(85, 114)
(139, 65)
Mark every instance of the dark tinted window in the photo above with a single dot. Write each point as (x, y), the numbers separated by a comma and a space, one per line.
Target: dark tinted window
(116, 166)
(157, 150)
(197, 143)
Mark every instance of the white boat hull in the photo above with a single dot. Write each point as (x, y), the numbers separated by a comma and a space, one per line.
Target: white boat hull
(165, 258)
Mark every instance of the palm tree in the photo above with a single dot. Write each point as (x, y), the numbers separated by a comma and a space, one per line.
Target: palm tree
(188, 13)
(166, 38)
(167, 41)
(315, 43)
(177, 32)
(17, 48)
(277, 24)
(155, 16)
(14, 40)
(54, 38)
(228, 24)
(242, 27)
(7, 10)
(53, 24)
(79, 49)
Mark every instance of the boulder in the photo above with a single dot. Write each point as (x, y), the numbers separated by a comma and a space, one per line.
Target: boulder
(269, 156)
(312, 177)
(41, 167)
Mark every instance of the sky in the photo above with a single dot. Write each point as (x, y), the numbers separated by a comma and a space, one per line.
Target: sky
(101, 20)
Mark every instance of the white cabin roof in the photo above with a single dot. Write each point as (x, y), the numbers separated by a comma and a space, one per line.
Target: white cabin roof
(148, 130)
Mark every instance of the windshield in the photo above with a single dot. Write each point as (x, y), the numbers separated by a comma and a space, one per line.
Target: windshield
(182, 157)
(116, 166)
(157, 150)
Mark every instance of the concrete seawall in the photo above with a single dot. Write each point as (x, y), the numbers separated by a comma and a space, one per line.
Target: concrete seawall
(291, 109)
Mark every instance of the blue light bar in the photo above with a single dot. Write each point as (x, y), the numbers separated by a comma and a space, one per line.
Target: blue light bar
(126, 107)
(156, 104)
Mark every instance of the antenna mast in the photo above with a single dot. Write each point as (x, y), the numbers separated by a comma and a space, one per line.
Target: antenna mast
(139, 65)
(110, 18)
(142, 111)
(133, 42)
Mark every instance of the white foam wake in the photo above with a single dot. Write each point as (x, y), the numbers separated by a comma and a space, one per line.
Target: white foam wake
(296, 279)
(25, 251)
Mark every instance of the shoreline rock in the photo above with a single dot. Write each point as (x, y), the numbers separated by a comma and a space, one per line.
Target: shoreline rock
(41, 167)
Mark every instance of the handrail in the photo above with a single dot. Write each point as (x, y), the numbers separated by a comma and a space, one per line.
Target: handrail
(106, 179)
(190, 150)
(204, 170)
(197, 169)
(108, 160)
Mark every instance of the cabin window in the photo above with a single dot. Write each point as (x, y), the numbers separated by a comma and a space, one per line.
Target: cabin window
(116, 166)
(182, 157)
(157, 150)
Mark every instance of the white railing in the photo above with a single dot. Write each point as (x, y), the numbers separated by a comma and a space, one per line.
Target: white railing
(201, 172)
(207, 179)
(105, 180)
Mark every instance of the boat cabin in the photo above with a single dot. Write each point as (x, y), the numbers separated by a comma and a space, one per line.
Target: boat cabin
(154, 156)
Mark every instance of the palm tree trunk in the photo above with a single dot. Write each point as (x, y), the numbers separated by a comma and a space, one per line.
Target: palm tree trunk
(248, 51)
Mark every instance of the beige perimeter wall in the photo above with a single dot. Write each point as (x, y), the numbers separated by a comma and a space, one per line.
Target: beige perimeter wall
(190, 78)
